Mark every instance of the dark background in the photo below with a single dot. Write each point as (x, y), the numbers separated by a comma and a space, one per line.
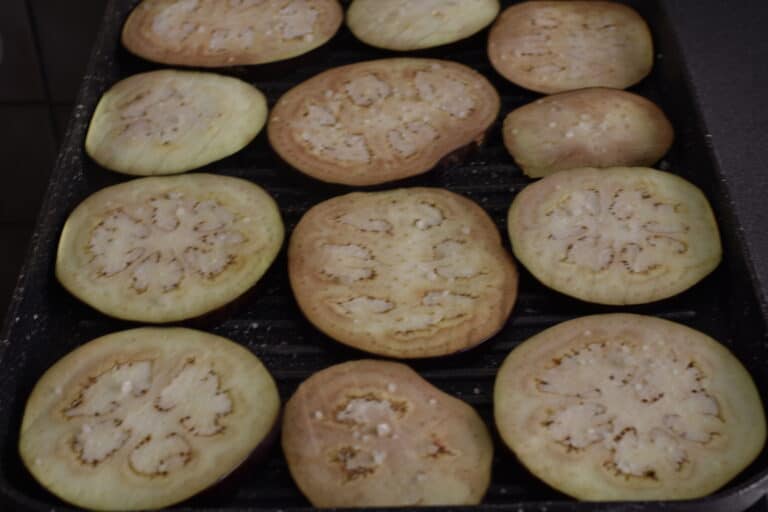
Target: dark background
(46, 45)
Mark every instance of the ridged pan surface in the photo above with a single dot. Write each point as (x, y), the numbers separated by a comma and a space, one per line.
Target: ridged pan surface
(45, 322)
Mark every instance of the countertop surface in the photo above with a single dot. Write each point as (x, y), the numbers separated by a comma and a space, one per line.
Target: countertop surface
(726, 51)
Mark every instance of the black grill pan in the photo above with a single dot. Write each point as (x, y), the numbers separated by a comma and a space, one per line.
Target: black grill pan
(45, 323)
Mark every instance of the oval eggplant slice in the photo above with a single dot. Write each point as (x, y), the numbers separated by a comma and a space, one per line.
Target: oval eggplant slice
(628, 407)
(406, 273)
(374, 433)
(615, 236)
(145, 418)
(556, 46)
(167, 122)
(216, 33)
(167, 249)
(415, 24)
(379, 121)
(587, 128)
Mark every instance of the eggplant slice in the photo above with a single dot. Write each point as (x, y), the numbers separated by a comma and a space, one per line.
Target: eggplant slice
(168, 122)
(416, 24)
(217, 33)
(383, 120)
(408, 273)
(615, 236)
(145, 418)
(557, 46)
(628, 407)
(374, 433)
(167, 249)
(587, 128)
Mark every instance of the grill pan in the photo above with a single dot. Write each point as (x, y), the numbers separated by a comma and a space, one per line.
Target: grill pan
(45, 322)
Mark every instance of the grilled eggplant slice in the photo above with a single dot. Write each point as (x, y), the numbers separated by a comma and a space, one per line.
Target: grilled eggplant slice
(167, 249)
(145, 418)
(628, 407)
(216, 33)
(374, 433)
(587, 128)
(406, 273)
(168, 122)
(416, 24)
(383, 120)
(615, 236)
(556, 46)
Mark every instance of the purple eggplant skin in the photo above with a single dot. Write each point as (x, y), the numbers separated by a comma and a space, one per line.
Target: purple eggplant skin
(251, 467)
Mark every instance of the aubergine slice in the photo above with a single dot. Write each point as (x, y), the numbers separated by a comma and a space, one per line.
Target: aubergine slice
(557, 46)
(383, 120)
(217, 33)
(416, 24)
(168, 248)
(374, 433)
(168, 122)
(594, 127)
(628, 407)
(622, 235)
(408, 273)
(145, 418)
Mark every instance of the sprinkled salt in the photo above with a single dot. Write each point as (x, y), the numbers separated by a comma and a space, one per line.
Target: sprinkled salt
(391, 387)
(382, 429)
(127, 387)
(318, 415)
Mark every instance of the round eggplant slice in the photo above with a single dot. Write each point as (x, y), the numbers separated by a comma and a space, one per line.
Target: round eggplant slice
(167, 249)
(407, 273)
(628, 407)
(168, 122)
(587, 128)
(383, 120)
(615, 236)
(216, 33)
(375, 434)
(556, 46)
(416, 24)
(145, 418)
